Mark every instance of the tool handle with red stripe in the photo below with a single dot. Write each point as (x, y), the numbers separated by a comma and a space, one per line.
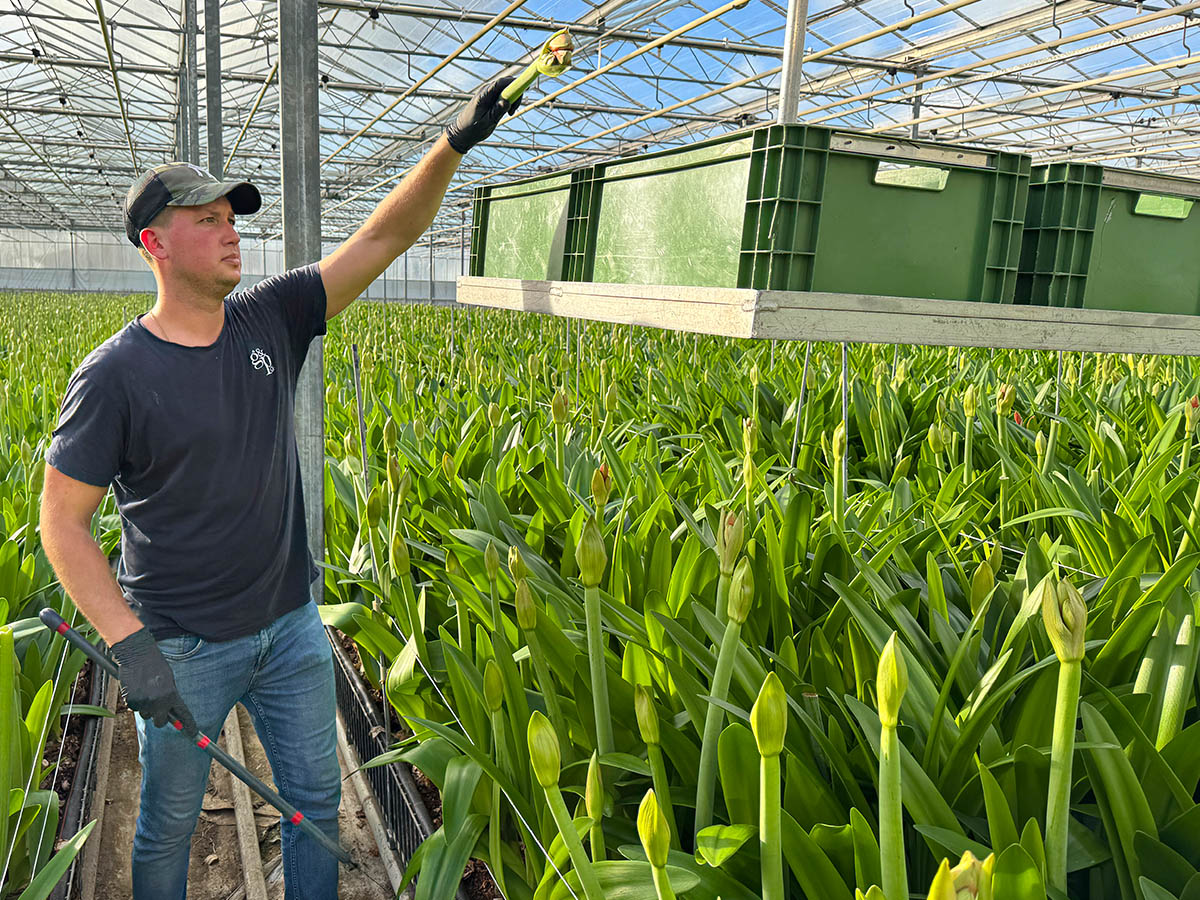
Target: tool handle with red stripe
(55, 623)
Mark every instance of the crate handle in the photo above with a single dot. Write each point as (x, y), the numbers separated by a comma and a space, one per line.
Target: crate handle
(920, 178)
(1162, 206)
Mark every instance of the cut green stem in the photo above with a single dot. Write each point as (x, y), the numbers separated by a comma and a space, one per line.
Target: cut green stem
(1062, 752)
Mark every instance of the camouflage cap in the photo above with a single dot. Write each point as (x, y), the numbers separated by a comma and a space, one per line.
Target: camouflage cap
(181, 184)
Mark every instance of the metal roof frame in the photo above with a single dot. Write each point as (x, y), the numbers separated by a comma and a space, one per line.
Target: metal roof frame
(91, 90)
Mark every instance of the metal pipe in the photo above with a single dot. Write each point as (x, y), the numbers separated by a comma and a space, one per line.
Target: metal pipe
(793, 60)
(250, 115)
(462, 48)
(112, 68)
(1091, 82)
(446, 12)
(189, 101)
(1004, 57)
(212, 83)
(301, 159)
(596, 72)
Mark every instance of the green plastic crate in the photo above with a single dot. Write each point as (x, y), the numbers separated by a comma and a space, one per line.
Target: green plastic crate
(790, 207)
(519, 228)
(1106, 238)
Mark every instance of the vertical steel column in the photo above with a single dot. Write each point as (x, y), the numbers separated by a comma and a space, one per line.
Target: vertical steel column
(793, 61)
(916, 113)
(431, 268)
(74, 274)
(212, 84)
(189, 114)
(299, 110)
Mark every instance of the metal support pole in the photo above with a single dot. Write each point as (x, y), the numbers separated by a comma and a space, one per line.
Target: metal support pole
(405, 276)
(189, 114)
(916, 111)
(298, 136)
(800, 404)
(212, 84)
(431, 268)
(74, 274)
(793, 60)
(462, 245)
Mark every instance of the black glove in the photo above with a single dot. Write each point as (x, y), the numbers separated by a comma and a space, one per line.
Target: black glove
(479, 118)
(147, 683)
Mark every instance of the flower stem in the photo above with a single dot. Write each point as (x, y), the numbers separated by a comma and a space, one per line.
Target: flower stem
(770, 828)
(706, 786)
(662, 883)
(1062, 751)
(595, 645)
(662, 788)
(579, 859)
(891, 817)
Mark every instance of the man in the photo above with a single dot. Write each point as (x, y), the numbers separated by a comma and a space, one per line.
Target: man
(187, 412)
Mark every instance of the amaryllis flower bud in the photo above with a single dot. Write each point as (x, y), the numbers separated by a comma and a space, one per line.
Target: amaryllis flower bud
(741, 591)
(1191, 412)
(996, 558)
(601, 486)
(526, 611)
(1065, 616)
(610, 398)
(404, 486)
(891, 682)
(393, 472)
(544, 753)
(391, 434)
(981, 585)
(419, 429)
(559, 408)
(972, 879)
(1006, 395)
(749, 435)
(654, 830)
(901, 374)
(1039, 444)
(516, 564)
(934, 438)
(755, 375)
(1017, 418)
(768, 716)
(494, 415)
(408, 380)
(453, 566)
(647, 714)
(491, 562)
(730, 537)
(493, 686)
(448, 468)
(374, 507)
(970, 401)
(593, 791)
(590, 554)
(838, 444)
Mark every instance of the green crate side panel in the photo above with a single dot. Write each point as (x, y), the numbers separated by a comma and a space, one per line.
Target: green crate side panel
(1143, 263)
(478, 228)
(1085, 247)
(895, 241)
(524, 233)
(677, 227)
(582, 210)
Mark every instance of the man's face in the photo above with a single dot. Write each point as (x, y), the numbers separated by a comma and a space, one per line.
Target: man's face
(200, 244)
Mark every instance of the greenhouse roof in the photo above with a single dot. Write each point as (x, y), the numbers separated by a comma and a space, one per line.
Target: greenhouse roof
(1112, 81)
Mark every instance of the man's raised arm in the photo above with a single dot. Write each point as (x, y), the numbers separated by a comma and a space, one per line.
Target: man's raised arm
(405, 213)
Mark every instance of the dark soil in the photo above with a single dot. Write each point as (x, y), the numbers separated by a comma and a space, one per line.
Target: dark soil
(477, 882)
(61, 779)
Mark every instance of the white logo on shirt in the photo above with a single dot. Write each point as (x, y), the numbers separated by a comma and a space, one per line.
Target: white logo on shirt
(260, 360)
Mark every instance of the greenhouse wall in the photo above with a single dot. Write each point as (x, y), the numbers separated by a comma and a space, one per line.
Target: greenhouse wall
(99, 261)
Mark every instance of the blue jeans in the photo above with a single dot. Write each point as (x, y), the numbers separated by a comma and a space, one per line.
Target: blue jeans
(284, 676)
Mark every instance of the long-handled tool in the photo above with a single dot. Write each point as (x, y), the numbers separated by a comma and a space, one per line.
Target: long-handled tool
(54, 622)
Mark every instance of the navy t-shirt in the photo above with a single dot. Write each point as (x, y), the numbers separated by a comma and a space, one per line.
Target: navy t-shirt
(199, 445)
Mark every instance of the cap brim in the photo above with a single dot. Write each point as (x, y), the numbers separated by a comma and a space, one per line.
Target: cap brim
(244, 197)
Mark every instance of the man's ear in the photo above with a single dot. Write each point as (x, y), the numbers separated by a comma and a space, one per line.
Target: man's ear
(152, 243)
